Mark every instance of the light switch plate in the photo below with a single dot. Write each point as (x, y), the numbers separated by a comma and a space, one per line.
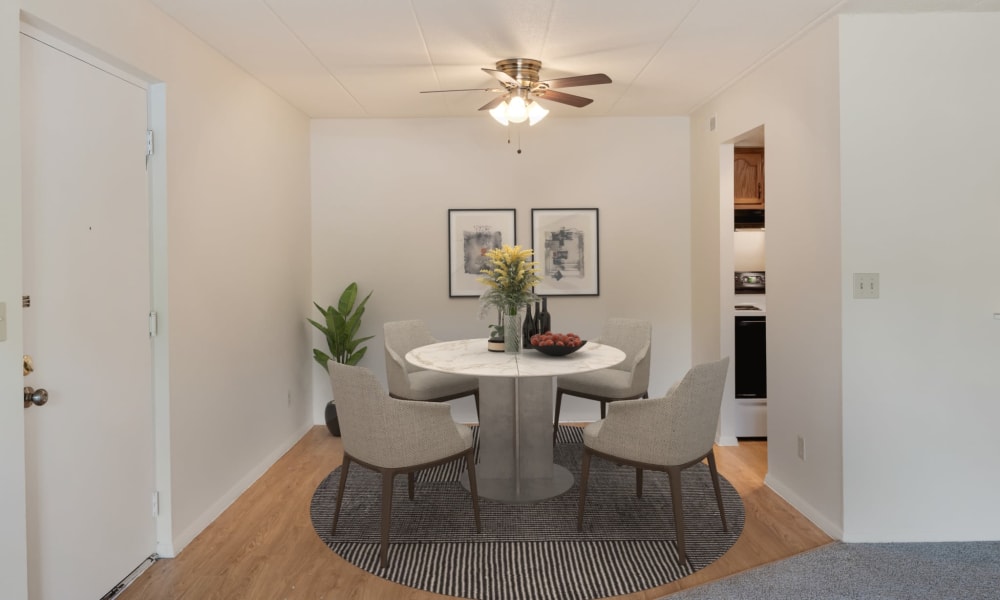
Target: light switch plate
(866, 286)
(3, 321)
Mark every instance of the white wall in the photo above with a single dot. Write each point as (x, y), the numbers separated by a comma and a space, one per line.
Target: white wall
(381, 194)
(13, 551)
(794, 96)
(749, 250)
(920, 130)
(238, 263)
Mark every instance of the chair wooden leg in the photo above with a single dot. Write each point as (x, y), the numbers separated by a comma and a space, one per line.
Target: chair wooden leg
(674, 474)
(475, 395)
(410, 478)
(340, 492)
(638, 482)
(555, 419)
(584, 478)
(470, 466)
(718, 490)
(604, 409)
(387, 476)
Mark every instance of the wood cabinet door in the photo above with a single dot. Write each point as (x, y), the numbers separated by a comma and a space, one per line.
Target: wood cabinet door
(749, 177)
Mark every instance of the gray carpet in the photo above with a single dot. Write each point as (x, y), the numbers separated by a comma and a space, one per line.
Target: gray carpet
(531, 551)
(924, 571)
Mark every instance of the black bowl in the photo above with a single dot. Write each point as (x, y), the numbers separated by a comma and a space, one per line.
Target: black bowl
(559, 350)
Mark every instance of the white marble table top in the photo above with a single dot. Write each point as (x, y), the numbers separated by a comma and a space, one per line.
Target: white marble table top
(470, 357)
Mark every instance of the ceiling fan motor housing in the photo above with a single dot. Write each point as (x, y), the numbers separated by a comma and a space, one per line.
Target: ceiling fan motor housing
(524, 70)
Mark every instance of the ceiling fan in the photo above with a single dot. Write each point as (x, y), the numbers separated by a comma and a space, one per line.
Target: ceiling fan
(521, 86)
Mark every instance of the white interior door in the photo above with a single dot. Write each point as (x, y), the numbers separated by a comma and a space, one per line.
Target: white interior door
(89, 450)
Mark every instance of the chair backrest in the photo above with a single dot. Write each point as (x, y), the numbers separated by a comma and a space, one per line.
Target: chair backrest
(634, 338)
(386, 432)
(691, 412)
(364, 410)
(401, 337)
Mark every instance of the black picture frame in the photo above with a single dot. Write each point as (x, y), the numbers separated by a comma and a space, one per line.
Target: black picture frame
(471, 231)
(566, 242)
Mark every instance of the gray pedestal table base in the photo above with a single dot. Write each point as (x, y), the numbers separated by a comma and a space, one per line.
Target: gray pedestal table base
(515, 441)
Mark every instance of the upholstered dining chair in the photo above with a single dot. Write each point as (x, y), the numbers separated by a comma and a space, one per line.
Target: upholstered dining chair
(668, 434)
(627, 380)
(409, 382)
(392, 437)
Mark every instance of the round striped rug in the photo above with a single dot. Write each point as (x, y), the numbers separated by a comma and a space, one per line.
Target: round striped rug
(530, 551)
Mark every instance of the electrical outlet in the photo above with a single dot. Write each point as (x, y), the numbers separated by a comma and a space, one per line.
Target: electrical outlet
(865, 286)
(802, 448)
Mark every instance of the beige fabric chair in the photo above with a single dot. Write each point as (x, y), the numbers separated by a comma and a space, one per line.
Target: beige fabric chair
(392, 437)
(409, 382)
(663, 434)
(625, 381)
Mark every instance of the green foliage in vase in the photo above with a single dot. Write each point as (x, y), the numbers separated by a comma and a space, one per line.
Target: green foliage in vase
(340, 326)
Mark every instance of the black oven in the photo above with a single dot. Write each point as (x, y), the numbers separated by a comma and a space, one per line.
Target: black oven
(751, 357)
(749, 282)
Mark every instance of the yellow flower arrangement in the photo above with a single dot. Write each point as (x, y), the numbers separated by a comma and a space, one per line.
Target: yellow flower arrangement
(509, 276)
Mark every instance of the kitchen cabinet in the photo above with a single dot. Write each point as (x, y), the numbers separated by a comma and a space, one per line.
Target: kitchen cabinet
(748, 171)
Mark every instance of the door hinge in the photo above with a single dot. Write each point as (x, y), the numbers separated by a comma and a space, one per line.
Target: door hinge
(153, 324)
(149, 142)
(156, 504)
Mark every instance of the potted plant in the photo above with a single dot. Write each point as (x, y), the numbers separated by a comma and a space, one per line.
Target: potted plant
(340, 326)
(495, 343)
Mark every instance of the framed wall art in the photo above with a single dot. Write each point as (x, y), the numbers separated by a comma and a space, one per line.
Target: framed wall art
(565, 241)
(472, 233)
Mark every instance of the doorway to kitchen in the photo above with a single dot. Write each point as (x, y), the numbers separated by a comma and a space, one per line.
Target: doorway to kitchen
(748, 317)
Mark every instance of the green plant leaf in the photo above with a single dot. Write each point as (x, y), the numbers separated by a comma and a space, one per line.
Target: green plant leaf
(322, 328)
(321, 357)
(347, 298)
(353, 359)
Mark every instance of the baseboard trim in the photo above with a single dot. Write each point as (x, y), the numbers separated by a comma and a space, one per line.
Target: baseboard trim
(226, 500)
(808, 510)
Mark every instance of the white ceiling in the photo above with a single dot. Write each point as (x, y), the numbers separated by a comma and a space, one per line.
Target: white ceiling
(365, 59)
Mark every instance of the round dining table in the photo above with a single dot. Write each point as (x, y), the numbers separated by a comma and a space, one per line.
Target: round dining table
(516, 402)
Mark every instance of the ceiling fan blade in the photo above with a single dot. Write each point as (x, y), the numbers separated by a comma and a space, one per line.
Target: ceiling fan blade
(578, 80)
(502, 77)
(563, 97)
(493, 103)
(491, 90)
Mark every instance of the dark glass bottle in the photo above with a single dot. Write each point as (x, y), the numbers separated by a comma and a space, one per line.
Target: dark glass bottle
(538, 316)
(544, 318)
(528, 328)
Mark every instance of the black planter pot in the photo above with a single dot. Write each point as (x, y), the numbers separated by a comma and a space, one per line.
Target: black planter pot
(332, 422)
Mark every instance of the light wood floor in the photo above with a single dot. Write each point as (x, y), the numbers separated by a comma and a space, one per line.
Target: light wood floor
(264, 547)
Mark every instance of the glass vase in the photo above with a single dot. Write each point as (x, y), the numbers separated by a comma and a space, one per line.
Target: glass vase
(512, 332)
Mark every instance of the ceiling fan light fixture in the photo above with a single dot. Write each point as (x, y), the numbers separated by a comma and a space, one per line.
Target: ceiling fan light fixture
(536, 112)
(520, 84)
(499, 113)
(517, 110)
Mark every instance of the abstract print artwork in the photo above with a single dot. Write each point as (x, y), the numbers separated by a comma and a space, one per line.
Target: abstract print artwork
(566, 245)
(471, 234)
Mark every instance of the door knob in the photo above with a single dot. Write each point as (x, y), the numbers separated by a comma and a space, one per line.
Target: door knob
(37, 397)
